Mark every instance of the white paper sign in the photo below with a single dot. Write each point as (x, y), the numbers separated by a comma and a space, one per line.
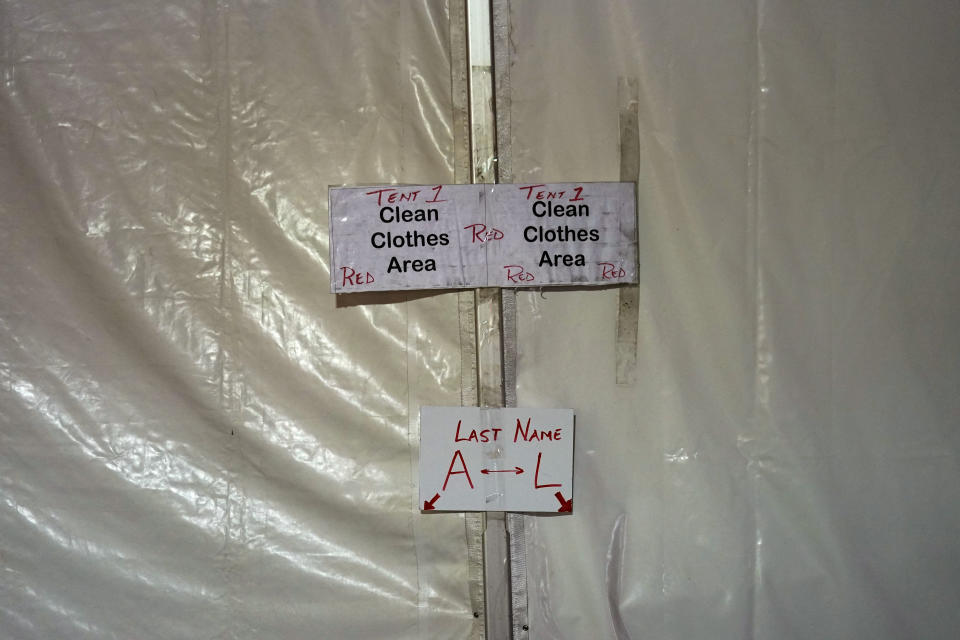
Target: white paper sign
(497, 235)
(480, 459)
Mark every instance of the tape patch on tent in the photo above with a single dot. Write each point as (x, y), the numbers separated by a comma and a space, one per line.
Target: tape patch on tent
(628, 314)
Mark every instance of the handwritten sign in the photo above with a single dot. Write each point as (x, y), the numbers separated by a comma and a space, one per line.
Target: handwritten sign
(465, 236)
(481, 459)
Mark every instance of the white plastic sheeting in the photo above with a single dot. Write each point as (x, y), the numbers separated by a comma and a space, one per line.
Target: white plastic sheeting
(196, 441)
(786, 464)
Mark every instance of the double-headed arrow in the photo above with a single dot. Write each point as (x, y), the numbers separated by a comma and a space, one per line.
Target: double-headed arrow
(516, 470)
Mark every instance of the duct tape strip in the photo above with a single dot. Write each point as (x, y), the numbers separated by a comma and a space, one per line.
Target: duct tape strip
(489, 343)
(628, 315)
(460, 92)
(495, 552)
(508, 322)
(496, 557)
(489, 347)
(502, 105)
(474, 523)
(515, 522)
(517, 539)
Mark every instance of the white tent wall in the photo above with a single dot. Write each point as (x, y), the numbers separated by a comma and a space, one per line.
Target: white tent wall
(785, 465)
(197, 440)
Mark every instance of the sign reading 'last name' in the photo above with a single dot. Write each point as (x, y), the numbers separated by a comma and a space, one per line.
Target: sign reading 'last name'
(482, 235)
(483, 459)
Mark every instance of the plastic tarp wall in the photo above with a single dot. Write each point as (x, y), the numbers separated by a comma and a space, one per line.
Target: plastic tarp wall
(196, 441)
(785, 465)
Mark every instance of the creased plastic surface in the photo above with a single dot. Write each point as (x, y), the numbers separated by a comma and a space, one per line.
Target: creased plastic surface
(195, 440)
(785, 464)
(196, 443)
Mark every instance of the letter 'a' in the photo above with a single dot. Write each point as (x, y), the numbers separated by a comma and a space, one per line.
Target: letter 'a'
(451, 472)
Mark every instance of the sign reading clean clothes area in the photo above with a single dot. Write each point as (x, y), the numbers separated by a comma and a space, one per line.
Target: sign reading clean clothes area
(482, 235)
(491, 459)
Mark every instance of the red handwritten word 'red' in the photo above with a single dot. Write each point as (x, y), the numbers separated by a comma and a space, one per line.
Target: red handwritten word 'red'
(566, 506)
(610, 271)
(479, 232)
(516, 273)
(355, 278)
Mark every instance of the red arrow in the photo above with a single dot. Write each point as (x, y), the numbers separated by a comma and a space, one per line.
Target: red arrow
(428, 504)
(516, 470)
(565, 505)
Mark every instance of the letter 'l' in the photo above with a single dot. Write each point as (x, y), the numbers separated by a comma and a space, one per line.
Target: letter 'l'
(536, 475)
